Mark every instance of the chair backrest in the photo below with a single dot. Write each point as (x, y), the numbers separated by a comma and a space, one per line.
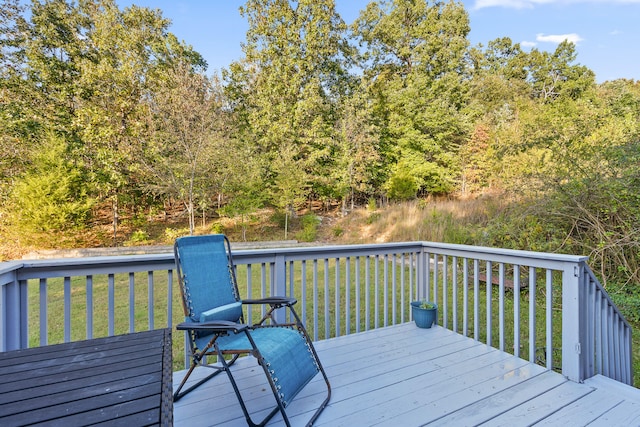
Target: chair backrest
(207, 278)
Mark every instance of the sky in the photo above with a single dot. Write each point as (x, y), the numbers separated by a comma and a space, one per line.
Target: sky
(606, 32)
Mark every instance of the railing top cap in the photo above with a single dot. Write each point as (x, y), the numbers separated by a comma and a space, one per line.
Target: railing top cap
(506, 252)
(445, 248)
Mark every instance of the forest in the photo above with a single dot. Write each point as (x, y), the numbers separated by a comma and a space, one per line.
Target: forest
(105, 114)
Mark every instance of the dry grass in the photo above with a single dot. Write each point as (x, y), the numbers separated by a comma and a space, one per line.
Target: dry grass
(442, 220)
(437, 220)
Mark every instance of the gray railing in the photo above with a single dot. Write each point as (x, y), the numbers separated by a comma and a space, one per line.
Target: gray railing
(547, 308)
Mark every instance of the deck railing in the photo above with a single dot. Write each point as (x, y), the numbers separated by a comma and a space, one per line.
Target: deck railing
(547, 308)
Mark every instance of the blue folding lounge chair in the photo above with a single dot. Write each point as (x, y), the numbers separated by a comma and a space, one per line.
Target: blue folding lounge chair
(215, 325)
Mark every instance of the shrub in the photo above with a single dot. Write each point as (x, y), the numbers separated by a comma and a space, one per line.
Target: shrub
(373, 217)
(138, 237)
(402, 186)
(309, 230)
(53, 196)
(172, 234)
(217, 228)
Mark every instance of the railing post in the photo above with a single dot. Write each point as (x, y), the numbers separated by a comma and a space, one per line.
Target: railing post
(14, 327)
(423, 272)
(279, 284)
(573, 323)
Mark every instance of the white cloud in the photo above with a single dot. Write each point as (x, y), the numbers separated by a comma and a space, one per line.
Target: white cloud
(530, 4)
(528, 44)
(559, 38)
(515, 4)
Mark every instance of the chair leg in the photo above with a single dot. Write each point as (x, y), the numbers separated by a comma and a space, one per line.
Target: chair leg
(177, 395)
(236, 389)
(320, 368)
(326, 401)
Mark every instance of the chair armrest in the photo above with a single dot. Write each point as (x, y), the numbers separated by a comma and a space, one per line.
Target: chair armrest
(217, 326)
(273, 301)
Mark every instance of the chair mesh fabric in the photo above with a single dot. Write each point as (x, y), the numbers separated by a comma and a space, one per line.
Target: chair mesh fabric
(286, 355)
(207, 279)
(210, 294)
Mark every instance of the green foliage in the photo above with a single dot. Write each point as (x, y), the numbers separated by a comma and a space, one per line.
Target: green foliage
(298, 48)
(421, 88)
(627, 299)
(217, 228)
(171, 234)
(553, 75)
(373, 217)
(185, 159)
(138, 237)
(279, 218)
(103, 104)
(309, 224)
(402, 185)
(427, 305)
(52, 196)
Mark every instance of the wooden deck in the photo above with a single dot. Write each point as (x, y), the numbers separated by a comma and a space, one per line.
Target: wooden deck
(406, 376)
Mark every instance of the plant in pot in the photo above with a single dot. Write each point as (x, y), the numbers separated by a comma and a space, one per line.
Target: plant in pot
(425, 313)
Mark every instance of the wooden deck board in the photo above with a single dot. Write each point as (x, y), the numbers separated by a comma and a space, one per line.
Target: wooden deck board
(585, 410)
(403, 375)
(540, 407)
(116, 380)
(494, 405)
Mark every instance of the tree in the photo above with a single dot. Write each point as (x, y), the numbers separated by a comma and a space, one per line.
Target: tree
(17, 126)
(358, 161)
(498, 90)
(287, 85)
(188, 141)
(553, 75)
(51, 196)
(499, 75)
(289, 183)
(54, 51)
(243, 185)
(130, 49)
(415, 58)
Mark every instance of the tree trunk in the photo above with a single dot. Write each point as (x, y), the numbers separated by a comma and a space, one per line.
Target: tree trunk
(191, 217)
(286, 223)
(115, 218)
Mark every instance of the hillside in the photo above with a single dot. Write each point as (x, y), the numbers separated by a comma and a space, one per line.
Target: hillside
(435, 220)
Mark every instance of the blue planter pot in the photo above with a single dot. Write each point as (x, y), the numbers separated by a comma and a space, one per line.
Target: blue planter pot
(424, 317)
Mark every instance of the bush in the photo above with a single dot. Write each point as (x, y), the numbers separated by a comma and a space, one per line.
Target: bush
(51, 197)
(309, 230)
(373, 217)
(138, 237)
(217, 228)
(171, 234)
(402, 186)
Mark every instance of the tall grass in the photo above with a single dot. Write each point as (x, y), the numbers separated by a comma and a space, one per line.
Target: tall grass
(435, 220)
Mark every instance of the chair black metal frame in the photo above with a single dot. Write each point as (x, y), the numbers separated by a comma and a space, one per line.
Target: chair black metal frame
(222, 331)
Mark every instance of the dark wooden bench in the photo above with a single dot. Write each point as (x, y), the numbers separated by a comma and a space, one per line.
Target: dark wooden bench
(123, 380)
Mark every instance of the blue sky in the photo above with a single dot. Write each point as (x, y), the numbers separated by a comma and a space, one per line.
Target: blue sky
(606, 32)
